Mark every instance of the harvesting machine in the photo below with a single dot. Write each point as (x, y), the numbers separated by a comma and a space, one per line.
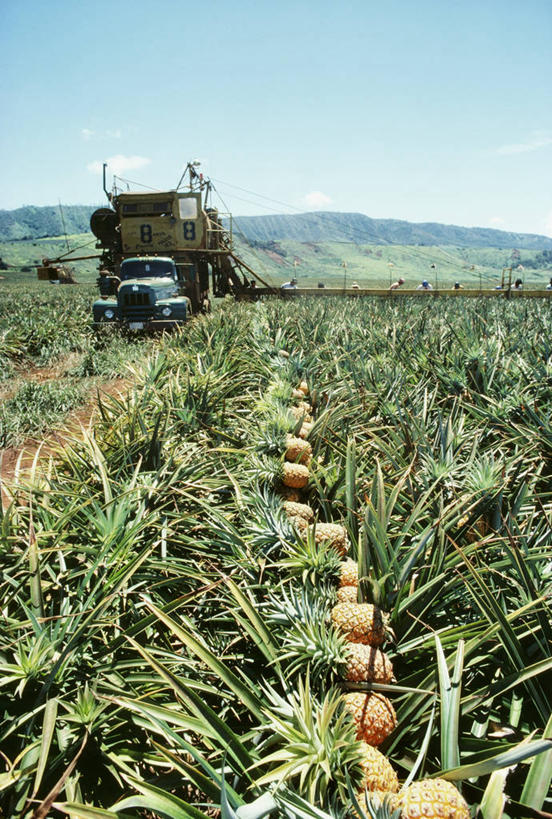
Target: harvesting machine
(163, 254)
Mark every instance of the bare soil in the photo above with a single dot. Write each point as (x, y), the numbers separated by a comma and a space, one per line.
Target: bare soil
(28, 372)
(19, 460)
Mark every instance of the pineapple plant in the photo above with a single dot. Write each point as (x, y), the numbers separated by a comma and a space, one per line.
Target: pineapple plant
(359, 622)
(373, 715)
(433, 799)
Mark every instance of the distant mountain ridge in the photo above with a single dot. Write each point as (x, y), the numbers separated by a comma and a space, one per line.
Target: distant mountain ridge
(324, 226)
(31, 222)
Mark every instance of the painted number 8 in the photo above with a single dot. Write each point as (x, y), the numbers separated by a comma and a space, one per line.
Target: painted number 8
(145, 234)
(189, 231)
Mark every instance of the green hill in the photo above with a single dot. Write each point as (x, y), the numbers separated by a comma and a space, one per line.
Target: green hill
(31, 222)
(355, 227)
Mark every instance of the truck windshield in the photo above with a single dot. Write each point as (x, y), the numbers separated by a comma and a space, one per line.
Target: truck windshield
(142, 269)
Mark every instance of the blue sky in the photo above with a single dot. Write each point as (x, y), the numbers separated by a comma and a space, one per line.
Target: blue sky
(426, 111)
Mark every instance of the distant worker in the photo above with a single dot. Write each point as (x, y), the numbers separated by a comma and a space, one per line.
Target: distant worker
(321, 285)
(549, 286)
(458, 286)
(355, 286)
(518, 285)
(397, 284)
(425, 285)
(291, 285)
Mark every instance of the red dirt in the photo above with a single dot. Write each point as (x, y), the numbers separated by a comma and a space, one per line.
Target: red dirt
(20, 458)
(28, 372)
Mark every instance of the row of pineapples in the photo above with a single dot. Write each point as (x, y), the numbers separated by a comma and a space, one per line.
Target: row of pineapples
(363, 626)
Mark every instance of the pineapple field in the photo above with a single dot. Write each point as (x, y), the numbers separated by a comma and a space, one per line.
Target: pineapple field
(302, 569)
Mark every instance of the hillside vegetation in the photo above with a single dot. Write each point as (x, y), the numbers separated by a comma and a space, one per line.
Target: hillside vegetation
(369, 265)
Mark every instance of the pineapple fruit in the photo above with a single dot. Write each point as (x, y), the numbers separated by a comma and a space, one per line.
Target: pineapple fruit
(431, 798)
(367, 664)
(333, 532)
(359, 622)
(373, 715)
(304, 387)
(348, 573)
(295, 475)
(298, 510)
(347, 594)
(298, 450)
(290, 495)
(303, 411)
(305, 429)
(378, 774)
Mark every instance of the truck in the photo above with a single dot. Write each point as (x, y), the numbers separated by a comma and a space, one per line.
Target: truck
(145, 294)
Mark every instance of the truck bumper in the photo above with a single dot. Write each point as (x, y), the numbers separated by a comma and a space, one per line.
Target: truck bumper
(152, 326)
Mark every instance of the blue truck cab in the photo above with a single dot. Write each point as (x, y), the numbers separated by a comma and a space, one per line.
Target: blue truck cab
(144, 296)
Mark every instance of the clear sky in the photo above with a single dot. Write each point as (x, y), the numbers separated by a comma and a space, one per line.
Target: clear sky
(426, 110)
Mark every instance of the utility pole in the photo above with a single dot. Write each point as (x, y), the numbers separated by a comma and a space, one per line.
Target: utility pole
(344, 266)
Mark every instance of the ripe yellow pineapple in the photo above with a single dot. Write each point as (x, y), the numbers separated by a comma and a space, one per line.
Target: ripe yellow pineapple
(334, 532)
(378, 774)
(347, 594)
(373, 715)
(297, 394)
(300, 510)
(368, 664)
(304, 387)
(295, 475)
(298, 450)
(359, 622)
(432, 798)
(348, 575)
(305, 430)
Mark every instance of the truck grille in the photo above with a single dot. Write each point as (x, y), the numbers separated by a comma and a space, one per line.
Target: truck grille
(139, 313)
(135, 300)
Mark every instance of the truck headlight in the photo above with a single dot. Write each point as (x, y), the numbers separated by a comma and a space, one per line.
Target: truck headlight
(108, 314)
(166, 311)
